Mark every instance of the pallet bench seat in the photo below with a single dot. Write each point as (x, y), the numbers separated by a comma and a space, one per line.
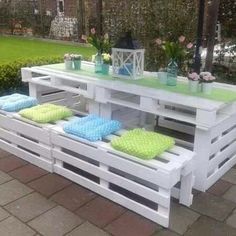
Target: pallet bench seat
(142, 186)
(25, 139)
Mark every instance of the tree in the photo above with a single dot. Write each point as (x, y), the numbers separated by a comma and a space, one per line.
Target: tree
(211, 26)
(80, 18)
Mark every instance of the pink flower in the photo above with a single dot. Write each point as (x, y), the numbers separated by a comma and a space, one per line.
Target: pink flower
(193, 76)
(84, 37)
(189, 45)
(208, 78)
(93, 31)
(158, 41)
(181, 39)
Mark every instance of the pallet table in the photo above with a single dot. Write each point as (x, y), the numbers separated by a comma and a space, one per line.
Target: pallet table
(212, 122)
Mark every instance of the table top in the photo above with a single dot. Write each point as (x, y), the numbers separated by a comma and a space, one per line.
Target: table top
(148, 86)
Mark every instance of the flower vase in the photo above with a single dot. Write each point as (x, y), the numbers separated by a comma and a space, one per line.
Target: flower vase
(98, 62)
(105, 69)
(193, 86)
(172, 71)
(68, 64)
(207, 88)
(77, 64)
(162, 76)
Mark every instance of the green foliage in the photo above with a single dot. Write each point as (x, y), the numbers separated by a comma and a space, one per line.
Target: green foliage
(10, 73)
(227, 17)
(100, 42)
(151, 19)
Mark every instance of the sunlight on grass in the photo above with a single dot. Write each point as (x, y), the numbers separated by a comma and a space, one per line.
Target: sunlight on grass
(13, 48)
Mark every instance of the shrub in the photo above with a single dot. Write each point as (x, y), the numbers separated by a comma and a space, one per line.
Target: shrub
(10, 73)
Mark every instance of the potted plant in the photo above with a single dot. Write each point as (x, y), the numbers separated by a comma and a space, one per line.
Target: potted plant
(175, 52)
(102, 44)
(68, 61)
(207, 80)
(106, 63)
(193, 82)
(77, 58)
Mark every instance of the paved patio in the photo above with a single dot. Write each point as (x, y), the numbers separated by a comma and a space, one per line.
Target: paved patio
(35, 202)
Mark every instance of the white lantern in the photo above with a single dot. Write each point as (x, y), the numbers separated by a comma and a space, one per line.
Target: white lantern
(128, 63)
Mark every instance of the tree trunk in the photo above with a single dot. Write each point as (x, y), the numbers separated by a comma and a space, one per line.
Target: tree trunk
(212, 21)
(100, 16)
(81, 18)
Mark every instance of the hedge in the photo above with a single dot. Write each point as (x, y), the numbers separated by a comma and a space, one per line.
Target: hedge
(10, 73)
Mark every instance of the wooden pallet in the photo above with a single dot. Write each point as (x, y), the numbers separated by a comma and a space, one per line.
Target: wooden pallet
(142, 186)
(27, 140)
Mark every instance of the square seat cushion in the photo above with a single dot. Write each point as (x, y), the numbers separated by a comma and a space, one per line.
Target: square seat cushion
(46, 113)
(143, 144)
(92, 128)
(16, 102)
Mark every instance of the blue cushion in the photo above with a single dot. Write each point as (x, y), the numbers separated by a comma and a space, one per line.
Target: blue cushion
(16, 102)
(92, 127)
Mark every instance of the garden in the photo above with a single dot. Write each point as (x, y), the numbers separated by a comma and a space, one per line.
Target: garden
(18, 52)
(118, 118)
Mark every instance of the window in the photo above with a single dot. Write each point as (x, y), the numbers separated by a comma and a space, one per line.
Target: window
(61, 6)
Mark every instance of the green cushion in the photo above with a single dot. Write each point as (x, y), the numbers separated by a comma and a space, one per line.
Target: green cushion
(143, 144)
(46, 113)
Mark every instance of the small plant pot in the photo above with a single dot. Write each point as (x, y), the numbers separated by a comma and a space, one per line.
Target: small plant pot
(162, 76)
(207, 88)
(68, 64)
(105, 69)
(193, 86)
(77, 64)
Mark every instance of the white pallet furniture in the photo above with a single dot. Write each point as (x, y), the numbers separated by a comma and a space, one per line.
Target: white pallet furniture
(27, 140)
(142, 186)
(208, 121)
(205, 119)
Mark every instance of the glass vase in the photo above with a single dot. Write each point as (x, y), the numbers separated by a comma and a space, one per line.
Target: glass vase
(172, 72)
(77, 64)
(98, 61)
(105, 69)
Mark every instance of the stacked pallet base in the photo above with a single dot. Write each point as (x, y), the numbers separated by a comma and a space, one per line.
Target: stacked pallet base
(145, 187)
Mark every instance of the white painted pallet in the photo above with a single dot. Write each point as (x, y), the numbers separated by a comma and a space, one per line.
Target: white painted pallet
(192, 115)
(142, 186)
(25, 139)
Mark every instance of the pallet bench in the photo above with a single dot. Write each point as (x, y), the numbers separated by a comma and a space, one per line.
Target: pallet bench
(143, 186)
(27, 140)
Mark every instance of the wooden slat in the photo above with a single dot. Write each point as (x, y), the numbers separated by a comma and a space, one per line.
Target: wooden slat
(112, 178)
(26, 143)
(221, 156)
(223, 141)
(220, 172)
(41, 162)
(160, 176)
(115, 197)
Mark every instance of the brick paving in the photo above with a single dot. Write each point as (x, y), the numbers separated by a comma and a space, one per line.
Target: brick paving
(35, 202)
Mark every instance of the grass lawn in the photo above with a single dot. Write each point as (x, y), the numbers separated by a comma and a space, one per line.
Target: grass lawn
(14, 48)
